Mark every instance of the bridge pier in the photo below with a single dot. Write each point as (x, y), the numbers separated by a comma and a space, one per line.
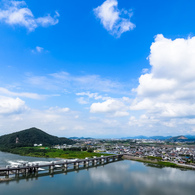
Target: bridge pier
(95, 160)
(26, 172)
(107, 160)
(35, 169)
(17, 172)
(51, 170)
(65, 166)
(7, 172)
(86, 162)
(51, 167)
(76, 164)
(102, 160)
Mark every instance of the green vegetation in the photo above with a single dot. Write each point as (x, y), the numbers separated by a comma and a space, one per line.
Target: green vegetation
(167, 164)
(154, 162)
(29, 137)
(160, 163)
(52, 153)
(151, 144)
(154, 158)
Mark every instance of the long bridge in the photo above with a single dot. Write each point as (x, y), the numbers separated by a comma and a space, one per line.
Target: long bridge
(27, 168)
(58, 171)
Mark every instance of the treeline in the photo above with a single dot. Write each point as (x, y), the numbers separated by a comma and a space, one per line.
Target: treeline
(78, 149)
(26, 151)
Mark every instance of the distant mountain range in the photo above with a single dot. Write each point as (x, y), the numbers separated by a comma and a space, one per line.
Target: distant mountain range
(80, 138)
(145, 137)
(170, 138)
(29, 137)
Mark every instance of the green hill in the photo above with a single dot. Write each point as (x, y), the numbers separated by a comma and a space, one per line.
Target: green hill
(29, 137)
(178, 138)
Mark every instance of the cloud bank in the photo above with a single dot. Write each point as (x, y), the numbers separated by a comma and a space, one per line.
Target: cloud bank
(167, 93)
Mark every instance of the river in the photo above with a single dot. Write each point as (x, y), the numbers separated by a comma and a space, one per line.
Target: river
(118, 178)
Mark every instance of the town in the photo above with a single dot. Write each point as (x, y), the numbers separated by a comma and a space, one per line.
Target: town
(178, 152)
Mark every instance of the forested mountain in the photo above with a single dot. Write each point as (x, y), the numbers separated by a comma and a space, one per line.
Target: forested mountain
(31, 136)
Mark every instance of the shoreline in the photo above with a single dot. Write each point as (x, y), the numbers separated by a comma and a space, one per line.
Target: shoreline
(160, 163)
(52, 153)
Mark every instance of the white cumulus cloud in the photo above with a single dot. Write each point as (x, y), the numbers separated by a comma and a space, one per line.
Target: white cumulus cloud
(114, 20)
(116, 107)
(17, 13)
(11, 105)
(168, 91)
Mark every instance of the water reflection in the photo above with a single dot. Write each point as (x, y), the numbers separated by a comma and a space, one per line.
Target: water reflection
(109, 175)
(146, 180)
(122, 177)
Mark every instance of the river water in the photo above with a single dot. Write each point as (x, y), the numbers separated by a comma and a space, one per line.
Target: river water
(117, 178)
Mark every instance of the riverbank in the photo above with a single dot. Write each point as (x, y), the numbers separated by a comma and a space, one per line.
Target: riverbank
(52, 153)
(158, 162)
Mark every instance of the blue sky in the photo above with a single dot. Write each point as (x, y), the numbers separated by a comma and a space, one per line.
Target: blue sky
(104, 68)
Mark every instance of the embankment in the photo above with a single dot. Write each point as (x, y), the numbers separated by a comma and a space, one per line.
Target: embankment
(158, 162)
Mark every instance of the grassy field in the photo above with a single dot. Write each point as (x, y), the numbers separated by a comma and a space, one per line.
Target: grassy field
(53, 153)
